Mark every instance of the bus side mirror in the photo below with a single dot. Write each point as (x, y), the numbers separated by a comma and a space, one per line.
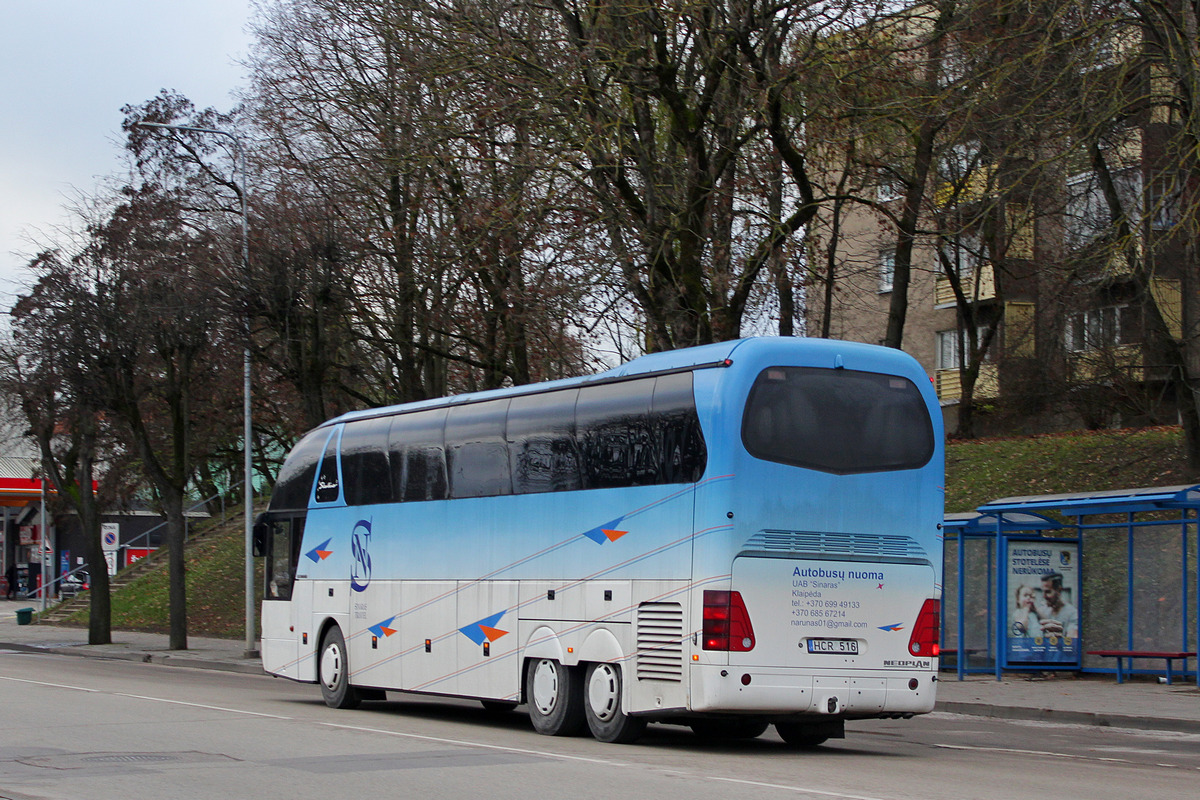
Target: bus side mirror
(261, 535)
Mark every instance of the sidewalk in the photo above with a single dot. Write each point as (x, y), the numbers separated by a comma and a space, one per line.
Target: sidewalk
(151, 648)
(1092, 700)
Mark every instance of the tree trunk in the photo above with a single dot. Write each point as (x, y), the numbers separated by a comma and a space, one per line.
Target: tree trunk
(172, 503)
(100, 598)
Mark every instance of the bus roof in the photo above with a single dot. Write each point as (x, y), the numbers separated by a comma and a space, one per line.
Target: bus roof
(719, 354)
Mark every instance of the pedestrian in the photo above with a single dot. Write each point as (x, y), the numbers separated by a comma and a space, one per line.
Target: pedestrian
(10, 576)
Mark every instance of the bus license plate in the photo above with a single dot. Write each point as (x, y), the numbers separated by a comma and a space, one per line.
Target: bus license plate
(840, 647)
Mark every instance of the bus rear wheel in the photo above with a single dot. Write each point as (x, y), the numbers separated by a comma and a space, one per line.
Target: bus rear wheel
(554, 694)
(605, 718)
(333, 671)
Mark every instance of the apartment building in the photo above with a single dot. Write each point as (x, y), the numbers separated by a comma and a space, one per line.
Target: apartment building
(1048, 280)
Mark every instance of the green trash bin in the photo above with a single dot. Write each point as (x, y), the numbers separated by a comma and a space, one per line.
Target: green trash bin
(24, 616)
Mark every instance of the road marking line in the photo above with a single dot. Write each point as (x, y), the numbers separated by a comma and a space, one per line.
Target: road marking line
(464, 743)
(51, 685)
(797, 789)
(201, 705)
(1050, 754)
(142, 697)
(1020, 752)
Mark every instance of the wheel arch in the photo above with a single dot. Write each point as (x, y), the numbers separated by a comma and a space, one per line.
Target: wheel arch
(602, 645)
(322, 629)
(544, 643)
(314, 644)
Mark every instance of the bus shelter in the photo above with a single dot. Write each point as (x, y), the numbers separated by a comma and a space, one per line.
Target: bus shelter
(1047, 581)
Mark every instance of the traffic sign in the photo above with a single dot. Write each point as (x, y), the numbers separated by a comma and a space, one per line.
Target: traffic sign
(110, 536)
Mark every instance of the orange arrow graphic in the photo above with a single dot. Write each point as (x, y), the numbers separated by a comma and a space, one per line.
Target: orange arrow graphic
(492, 634)
(613, 535)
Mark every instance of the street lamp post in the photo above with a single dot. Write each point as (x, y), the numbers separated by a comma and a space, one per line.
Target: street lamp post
(247, 431)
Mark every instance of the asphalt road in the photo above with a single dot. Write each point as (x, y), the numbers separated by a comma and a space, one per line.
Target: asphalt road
(86, 728)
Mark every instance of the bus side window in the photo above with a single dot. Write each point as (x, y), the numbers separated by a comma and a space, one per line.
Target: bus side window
(541, 442)
(416, 445)
(679, 442)
(366, 471)
(283, 554)
(476, 450)
(328, 483)
(612, 424)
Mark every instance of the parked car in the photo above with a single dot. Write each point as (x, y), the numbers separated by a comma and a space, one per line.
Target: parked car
(74, 583)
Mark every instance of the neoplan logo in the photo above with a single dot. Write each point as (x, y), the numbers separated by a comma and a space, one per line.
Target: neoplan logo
(360, 552)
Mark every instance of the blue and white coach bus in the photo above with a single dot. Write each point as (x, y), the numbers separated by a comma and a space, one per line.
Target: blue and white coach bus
(726, 537)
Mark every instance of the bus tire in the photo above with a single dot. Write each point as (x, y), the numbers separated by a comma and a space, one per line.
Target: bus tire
(602, 706)
(798, 734)
(554, 694)
(333, 671)
(729, 728)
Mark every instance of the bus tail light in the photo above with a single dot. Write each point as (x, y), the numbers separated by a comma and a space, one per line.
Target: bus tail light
(726, 622)
(924, 639)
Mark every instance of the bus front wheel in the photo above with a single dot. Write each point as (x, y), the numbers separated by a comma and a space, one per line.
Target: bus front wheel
(555, 697)
(333, 671)
(605, 718)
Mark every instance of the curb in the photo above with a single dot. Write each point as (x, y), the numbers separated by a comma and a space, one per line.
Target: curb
(1093, 718)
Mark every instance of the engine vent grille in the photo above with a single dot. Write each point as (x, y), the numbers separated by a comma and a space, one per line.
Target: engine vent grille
(842, 546)
(660, 642)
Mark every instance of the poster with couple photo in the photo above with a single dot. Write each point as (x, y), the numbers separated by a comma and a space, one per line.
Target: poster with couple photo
(1043, 612)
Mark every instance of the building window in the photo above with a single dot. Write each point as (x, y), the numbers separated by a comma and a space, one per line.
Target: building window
(957, 163)
(889, 186)
(950, 346)
(954, 65)
(1088, 216)
(948, 350)
(1164, 198)
(887, 270)
(962, 254)
(1096, 329)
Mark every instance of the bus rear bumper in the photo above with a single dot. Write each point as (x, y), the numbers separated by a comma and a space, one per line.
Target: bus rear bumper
(785, 691)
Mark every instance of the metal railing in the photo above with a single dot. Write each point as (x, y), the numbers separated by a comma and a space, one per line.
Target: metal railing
(186, 511)
(50, 587)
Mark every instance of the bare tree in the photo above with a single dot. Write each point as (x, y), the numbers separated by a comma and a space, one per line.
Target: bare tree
(164, 352)
(51, 367)
(677, 120)
(444, 218)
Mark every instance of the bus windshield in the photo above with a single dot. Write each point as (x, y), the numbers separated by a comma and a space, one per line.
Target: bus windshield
(838, 421)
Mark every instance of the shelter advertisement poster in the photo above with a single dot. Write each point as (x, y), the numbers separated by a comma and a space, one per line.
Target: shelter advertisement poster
(1043, 597)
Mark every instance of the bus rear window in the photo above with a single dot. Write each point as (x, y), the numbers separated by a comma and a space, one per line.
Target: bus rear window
(838, 421)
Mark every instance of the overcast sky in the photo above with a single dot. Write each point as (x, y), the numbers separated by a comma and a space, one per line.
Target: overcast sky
(66, 68)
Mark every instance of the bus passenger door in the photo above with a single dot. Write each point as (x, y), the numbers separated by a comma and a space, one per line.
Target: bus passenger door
(280, 634)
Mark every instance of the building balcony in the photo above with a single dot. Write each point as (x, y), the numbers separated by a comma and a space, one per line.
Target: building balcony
(944, 294)
(948, 383)
(1122, 362)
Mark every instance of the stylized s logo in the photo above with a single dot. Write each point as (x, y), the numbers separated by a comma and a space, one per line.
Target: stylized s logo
(360, 552)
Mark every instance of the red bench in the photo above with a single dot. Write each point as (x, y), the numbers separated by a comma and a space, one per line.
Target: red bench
(1121, 655)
